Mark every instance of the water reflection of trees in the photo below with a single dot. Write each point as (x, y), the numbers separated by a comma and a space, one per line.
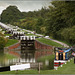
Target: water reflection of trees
(2, 58)
(26, 57)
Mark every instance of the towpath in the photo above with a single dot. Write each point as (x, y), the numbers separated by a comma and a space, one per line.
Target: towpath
(63, 44)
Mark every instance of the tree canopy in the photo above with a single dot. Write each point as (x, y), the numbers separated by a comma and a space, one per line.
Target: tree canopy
(58, 20)
(10, 14)
(2, 41)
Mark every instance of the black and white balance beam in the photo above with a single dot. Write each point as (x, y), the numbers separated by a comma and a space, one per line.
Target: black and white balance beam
(15, 67)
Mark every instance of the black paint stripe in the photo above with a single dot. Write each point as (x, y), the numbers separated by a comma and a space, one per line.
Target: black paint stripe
(4, 68)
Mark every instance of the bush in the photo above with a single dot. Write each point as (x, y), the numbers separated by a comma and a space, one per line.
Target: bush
(2, 43)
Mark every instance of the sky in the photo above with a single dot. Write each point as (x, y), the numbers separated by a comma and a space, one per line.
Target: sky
(24, 5)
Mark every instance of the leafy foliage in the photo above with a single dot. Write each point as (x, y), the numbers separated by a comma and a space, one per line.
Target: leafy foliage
(58, 20)
(2, 43)
(10, 14)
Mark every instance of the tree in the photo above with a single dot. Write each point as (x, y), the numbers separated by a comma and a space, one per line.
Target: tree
(2, 43)
(39, 24)
(10, 14)
(61, 15)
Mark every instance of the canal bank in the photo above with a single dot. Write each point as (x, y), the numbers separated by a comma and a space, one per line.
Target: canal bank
(31, 56)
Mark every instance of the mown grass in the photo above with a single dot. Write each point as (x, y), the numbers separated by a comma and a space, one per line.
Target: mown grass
(11, 42)
(68, 68)
(21, 72)
(63, 41)
(49, 42)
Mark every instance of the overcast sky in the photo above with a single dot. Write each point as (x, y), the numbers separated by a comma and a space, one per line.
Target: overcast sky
(24, 5)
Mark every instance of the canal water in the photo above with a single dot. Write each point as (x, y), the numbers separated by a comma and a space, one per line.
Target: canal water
(27, 57)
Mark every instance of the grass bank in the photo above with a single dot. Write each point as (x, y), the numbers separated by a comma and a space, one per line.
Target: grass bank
(49, 42)
(68, 68)
(63, 41)
(11, 42)
(21, 72)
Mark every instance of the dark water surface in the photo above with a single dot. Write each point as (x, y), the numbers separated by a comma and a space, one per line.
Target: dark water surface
(28, 56)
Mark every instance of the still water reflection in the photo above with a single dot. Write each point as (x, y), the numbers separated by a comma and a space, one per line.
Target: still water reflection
(26, 56)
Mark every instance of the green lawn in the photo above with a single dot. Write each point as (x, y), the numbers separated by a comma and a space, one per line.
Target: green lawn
(21, 72)
(49, 42)
(11, 42)
(63, 41)
(68, 68)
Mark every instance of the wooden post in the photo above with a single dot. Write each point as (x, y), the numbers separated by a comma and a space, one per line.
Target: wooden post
(64, 55)
(74, 59)
(39, 68)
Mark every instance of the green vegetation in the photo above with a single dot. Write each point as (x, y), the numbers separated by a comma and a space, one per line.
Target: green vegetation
(68, 68)
(30, 35)
(21, 72)
(11, 42)
(65, 42)
(10, 14)
(2, 43)
(8, 56)
(28, 23)
(49, 42)
(7, 34)
(57, 21)
(50, 59)
(68, 35)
